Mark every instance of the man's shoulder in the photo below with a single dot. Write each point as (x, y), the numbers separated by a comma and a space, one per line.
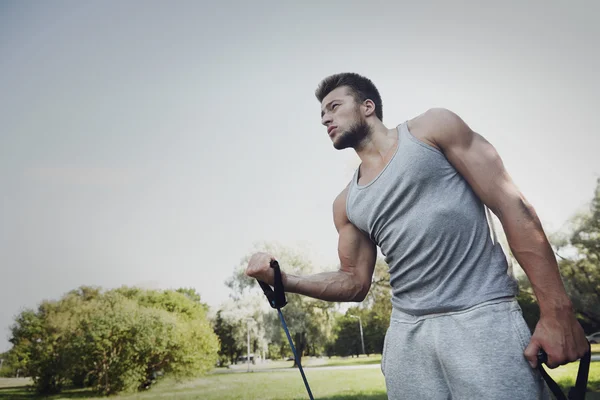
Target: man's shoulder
(340, 199)
(435, 122)
(434, 118)
(340, 216)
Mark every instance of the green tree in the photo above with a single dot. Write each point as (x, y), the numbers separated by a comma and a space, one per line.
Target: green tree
(581, 271)
(309, 320)
(577, 248)
(528, 304)
(38, 342)
(7, 369)
(379, 306)
(113, 341)
(193, 347)
(229, 349)
(347, 342)
(249, 314)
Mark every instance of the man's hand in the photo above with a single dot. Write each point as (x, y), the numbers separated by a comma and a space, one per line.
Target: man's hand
(561, 337)
(259, 267)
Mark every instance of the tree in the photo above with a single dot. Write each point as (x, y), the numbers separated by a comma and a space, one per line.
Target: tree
(379, 308)
(528, 304)
(238, 318)
(577, 248)
(309, 320)
(581, 272)
(38, 343)
(347, 335)
(114, 341)
(8, 365)
(230, 348)
(192, 350)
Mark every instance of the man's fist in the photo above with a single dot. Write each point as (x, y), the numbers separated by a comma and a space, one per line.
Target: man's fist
(259, 267)
(561, 337)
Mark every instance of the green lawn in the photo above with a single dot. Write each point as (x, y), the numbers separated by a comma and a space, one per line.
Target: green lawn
(362, 360)
(307, 362)
(327, 384)
(366, 384)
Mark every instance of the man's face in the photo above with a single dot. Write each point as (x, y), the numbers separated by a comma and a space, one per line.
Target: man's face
(340, 113)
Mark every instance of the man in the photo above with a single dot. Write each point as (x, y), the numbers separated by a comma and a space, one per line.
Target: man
(420, 193)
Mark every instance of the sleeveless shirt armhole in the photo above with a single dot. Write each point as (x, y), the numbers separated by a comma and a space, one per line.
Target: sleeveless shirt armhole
(348, 198)
(415, 140)
(350, 187)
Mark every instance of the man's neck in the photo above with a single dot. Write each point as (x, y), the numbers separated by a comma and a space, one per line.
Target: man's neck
(377, 145)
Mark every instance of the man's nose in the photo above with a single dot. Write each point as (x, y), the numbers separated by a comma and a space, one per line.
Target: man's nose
(326, 119)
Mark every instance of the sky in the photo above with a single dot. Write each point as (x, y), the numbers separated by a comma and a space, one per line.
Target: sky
(156, 143)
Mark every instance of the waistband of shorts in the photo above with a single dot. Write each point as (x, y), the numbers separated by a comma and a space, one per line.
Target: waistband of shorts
(500, 304)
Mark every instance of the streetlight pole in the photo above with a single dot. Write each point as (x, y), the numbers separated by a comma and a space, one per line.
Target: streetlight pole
(362, 340)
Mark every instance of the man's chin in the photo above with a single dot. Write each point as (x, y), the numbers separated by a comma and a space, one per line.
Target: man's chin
(340, 142)
(341, 146)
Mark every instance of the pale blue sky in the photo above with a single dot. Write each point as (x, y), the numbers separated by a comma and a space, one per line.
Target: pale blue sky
(153, 143)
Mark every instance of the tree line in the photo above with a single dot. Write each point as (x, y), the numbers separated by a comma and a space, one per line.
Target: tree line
(125, 339)
(321, 329)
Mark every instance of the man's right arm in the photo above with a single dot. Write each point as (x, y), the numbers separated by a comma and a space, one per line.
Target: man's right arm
(351, 282)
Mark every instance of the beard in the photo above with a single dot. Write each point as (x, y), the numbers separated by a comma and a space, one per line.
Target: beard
(353, 136)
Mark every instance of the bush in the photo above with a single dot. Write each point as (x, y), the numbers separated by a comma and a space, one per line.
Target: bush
(117, 341)
(530, 307)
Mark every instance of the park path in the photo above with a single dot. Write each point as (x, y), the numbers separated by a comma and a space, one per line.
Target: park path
(292, 369)
(595, 357)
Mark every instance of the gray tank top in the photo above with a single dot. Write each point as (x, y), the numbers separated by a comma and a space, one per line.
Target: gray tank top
(432, 230)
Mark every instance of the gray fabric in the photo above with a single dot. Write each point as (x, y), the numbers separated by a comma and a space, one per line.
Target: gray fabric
(432, 230)
(471, 354)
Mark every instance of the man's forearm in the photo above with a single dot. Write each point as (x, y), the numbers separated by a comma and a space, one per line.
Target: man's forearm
(532, 250)
(329, 286)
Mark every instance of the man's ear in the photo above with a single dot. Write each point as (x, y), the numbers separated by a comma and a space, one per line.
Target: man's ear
(369, 107)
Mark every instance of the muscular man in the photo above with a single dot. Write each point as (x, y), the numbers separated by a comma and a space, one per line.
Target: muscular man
(419, 194)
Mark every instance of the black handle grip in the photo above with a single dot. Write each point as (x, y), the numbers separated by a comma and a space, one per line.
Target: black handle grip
(276, 297)
(576, 392)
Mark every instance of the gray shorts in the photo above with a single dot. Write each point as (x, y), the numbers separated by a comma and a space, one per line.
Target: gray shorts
(476, 353)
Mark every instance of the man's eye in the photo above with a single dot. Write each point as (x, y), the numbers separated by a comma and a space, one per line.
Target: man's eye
(334, 106)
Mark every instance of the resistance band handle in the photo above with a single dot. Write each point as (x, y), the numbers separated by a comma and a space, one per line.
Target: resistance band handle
(576, 392)
(277, 300)
(276, 297)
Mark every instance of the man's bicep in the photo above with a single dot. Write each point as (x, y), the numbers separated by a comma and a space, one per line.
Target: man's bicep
(356, 251)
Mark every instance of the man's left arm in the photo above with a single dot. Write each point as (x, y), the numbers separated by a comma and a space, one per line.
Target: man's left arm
(558, 332)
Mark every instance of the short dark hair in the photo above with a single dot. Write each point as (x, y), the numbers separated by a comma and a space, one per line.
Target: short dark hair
(361, 89)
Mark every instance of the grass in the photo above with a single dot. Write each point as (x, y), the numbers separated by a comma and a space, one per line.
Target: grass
(279, 381)
(565, 375)
(308, 362)
(343, 361)
(366, 384)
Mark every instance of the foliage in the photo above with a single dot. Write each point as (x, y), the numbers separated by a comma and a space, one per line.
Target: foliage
(379, 306)
(578, 252)
(230, 348)
(317, 328)
(315, 325)
(309, 320)
(374, 315)
(529, 307)
(581, 272)
(347, 342)
(114, 341)
(8, 368)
